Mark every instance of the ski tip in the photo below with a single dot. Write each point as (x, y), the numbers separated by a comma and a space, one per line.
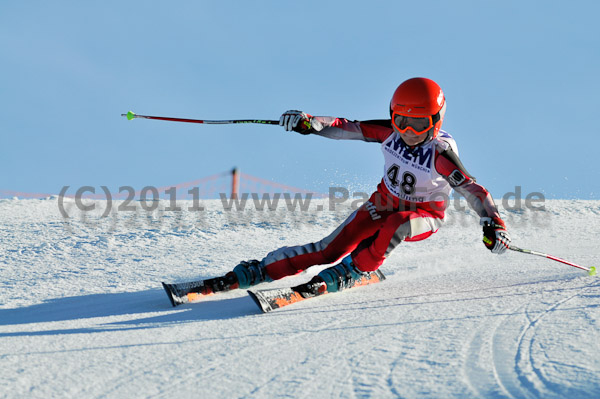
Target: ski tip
(169, 294)
(263, 305)
(592, 271)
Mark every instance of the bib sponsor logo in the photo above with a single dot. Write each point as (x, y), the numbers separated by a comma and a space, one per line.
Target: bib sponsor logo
(419, 157)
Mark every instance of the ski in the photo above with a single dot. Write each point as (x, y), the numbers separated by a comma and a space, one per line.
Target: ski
(271, 299)
(181, 293)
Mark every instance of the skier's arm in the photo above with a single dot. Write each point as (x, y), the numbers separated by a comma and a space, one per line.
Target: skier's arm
(451, 168)
(343, 129)
(336, 128)
(495, 236)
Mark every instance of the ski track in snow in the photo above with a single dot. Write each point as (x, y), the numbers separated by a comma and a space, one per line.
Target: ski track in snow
(514, 335)
(82, 313)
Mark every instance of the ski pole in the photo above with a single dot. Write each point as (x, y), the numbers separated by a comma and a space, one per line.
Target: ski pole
(130, 115)
(591, 270)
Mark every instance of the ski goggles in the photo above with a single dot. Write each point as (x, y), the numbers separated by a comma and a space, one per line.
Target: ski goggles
(418, 125)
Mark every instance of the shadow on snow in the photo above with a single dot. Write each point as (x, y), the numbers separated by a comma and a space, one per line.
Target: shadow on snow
(152, 303)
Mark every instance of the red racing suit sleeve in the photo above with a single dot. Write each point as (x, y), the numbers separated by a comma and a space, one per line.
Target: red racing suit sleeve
(343, 129)
(451, 168)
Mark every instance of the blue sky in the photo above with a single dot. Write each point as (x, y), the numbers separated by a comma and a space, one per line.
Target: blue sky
(521, 82)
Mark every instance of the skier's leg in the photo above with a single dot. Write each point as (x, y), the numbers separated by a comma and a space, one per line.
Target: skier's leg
(414, 225)
(371, 252)
(370, 242)
(288, 261)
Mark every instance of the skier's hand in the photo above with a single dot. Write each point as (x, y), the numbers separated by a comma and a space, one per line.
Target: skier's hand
(495, 236)
(297, 121)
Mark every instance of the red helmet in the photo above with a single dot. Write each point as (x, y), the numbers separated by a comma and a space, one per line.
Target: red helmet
(419, 98)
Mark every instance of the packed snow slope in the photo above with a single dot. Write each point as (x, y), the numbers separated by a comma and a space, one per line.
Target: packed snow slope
(83, 314)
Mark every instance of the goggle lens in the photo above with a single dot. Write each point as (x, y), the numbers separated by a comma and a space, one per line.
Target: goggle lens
(418, 125)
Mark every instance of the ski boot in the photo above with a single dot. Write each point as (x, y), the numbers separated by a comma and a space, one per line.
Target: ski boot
(315, 287)
(251, 273)
(342, 275)
(227, 282)
(191, 291)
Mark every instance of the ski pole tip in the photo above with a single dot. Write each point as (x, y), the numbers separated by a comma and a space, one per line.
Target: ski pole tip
(592, 271)
(130, 115)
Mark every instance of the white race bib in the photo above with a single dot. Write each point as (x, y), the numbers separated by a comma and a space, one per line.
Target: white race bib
(409, 173)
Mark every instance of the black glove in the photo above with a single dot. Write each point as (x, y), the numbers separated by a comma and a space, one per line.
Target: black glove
(495, 236)
(297, 121)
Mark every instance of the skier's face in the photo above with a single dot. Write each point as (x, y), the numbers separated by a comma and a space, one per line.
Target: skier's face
(412, 139)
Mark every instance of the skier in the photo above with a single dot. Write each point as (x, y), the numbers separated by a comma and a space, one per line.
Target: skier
(421, 169)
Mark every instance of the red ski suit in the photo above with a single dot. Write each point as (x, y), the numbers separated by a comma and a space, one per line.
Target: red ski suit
(409, 203)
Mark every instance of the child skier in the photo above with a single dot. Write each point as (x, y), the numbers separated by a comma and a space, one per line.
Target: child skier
(421, 169)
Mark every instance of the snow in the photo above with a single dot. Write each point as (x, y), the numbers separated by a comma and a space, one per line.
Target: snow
(82, 312)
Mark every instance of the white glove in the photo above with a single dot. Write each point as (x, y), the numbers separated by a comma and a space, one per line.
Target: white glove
(296, 121)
